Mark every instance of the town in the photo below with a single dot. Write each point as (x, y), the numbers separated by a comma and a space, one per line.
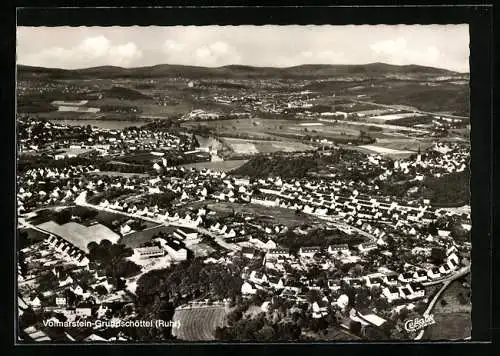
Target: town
(336, 251)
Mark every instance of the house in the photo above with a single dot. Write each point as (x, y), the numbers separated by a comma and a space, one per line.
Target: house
(184, 233)
(453, 259)
(443, 233)
(434, 273)
(445, 269)
(176, 250)
(288, 294)
(333, 286)
(35, 302)
(320, 309)
(391, 279)
(420, 276)
(149, 252)
(391, 293)
(61, 301)
(406, 277)
(367, 246)
(293, 286)
(418, 290)
(248, 288)
(405, 292)
(276, 282)
(373, 282)
(308, 252)
(36, 335)
(342, 249)
(258, 277)
(248, 252)
(270, 245)
(412, 291)
(66, 282)
(355, 283)
(215, 227)
(373, 319)
(278, 252)
(265, 306)
(102, 310)
(83, 310)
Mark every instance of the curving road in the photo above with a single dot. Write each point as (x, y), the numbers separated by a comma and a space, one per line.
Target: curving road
(81, 201)
(446, 282)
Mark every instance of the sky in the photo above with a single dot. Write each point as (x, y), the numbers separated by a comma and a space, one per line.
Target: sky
(440, 46)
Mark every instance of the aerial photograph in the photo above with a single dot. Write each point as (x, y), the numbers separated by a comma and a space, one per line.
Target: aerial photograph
(243, 184)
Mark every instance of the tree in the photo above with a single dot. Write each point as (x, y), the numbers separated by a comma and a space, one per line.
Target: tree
(101, 290)
(362, 298)
(234, 316)
(355, 327)
(438, 255)
(70, 297)
(374, 333)
(267, 333)
(381, 303)
(27, 319)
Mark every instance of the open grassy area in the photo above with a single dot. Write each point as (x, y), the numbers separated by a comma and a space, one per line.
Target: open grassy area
(198, 324)
(404, 144)
(120, 174)
(245, 146)
(138, 238)
(449, 326)
(221, 166)
(272, 129)
(451, 297)
(276, 214)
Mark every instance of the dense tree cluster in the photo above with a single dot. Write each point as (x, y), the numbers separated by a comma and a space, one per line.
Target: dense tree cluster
(449, 190)
(112, 258)
(189, 280)
(27, 162)
(260, 329)
(317, 237)
(162, 200)
(109, 194)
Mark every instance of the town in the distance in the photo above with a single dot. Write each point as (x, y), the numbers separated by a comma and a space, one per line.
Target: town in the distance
(311, 203)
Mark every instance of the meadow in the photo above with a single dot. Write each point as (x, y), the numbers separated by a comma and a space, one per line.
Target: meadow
(198, 324)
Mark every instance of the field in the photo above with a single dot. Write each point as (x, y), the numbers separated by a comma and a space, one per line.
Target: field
(198, 324)
(449, 326)
(386, 151)
(136, 239)
(404, 144)
(139, 158)
(221, 166)
(453, 305)
(243, 146)
(453, 320)
(120, 174)
(272, 129)
(278, 215)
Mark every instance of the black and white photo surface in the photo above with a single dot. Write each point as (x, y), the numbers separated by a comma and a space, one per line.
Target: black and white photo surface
(243, 183)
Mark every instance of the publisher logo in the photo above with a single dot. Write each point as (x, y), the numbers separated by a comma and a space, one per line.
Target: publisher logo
(416, 324)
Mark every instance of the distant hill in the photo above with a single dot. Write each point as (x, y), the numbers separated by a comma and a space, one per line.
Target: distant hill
(312, 71)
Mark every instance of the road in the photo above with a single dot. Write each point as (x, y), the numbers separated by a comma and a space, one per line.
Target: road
(460, 273)
(446, 282)
(81, 201)
(331, 219)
